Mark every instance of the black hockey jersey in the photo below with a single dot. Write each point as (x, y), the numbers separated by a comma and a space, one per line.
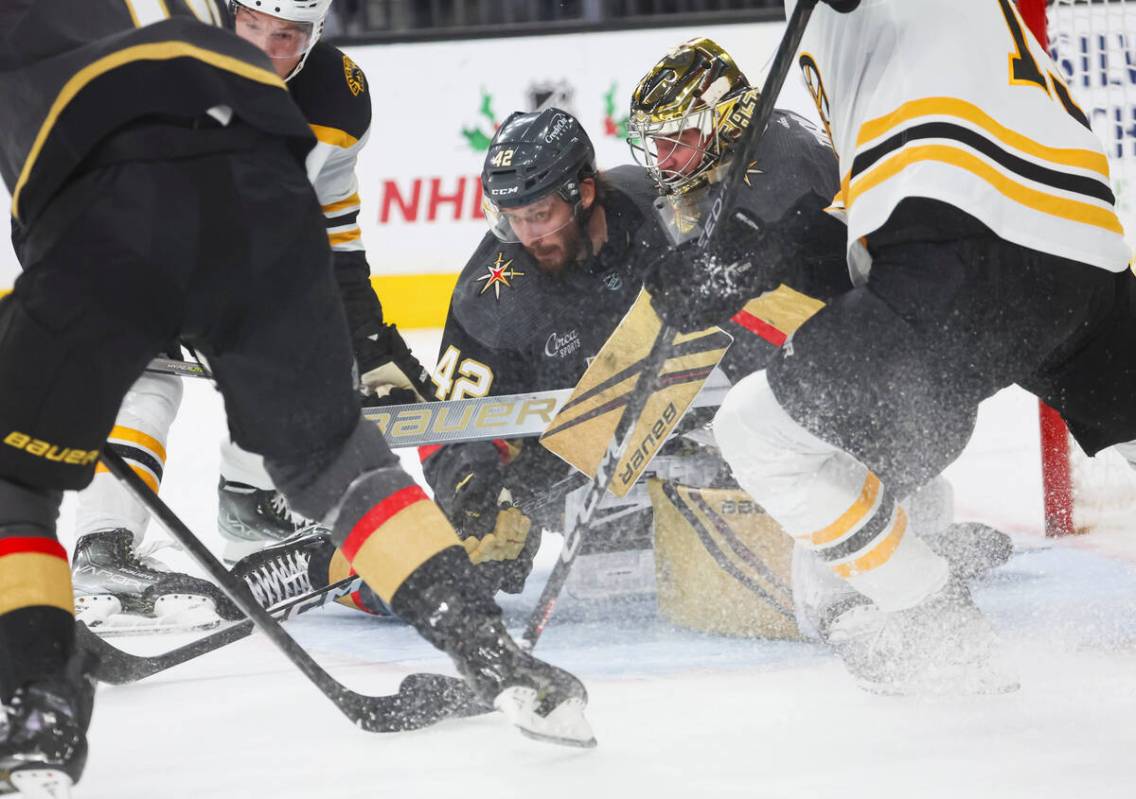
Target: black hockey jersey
(72, 73)
(795, 249)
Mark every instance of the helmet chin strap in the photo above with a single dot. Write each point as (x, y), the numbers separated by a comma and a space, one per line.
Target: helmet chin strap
(583, 218)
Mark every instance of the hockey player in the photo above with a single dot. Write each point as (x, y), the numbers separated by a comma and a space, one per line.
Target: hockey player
(564, 260)
(996, 257)
(154, 166)
(117, 587)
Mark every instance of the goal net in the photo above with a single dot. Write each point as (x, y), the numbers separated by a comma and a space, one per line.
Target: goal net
(1093, 43)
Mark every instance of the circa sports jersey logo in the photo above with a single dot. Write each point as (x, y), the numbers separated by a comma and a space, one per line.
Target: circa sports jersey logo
(355, 80)
(561, 346)
(500, 273)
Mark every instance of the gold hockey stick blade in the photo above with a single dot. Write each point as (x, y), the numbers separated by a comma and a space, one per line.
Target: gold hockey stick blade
(583, 428)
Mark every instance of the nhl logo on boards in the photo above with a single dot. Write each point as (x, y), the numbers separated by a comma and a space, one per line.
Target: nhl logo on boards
(355, 80)
(500, 273)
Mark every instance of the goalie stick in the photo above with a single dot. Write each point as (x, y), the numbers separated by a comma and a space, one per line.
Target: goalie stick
(421, 699)
(117, 667)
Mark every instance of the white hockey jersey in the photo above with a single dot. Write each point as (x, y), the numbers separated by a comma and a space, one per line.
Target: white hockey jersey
(955, 100)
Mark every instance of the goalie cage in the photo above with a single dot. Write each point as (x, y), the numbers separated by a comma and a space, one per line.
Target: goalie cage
(1093, 43)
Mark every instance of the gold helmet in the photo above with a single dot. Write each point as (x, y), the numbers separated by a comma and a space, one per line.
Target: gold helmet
(696, 86)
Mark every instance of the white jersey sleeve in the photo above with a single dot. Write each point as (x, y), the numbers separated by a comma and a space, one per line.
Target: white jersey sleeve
(955, 100)
(331, 169)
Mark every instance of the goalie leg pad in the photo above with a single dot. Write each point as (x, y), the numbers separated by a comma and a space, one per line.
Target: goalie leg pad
(825, 499)
(722, 564)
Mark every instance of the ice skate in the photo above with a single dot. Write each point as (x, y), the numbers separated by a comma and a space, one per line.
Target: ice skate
(944, 645)
(117, 592)
(44, 744)
(287, 570)
(250, 519)
(544, 702)
(971, 548)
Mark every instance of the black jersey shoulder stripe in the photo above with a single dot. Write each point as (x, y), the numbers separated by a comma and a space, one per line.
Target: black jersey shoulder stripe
(1054, 178)
(333, 93)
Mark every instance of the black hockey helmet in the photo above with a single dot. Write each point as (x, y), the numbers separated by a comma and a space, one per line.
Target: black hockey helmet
(533, 155)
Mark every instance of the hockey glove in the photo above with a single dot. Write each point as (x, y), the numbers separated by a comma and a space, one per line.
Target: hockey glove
(493, 529)
(388, 372)
(692, 289)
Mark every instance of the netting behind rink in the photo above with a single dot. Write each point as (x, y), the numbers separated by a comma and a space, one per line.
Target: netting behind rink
(1094, 46)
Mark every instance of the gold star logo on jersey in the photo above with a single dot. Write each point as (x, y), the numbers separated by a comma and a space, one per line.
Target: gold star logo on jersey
(355, 80)
(500, 273)
(751, 170)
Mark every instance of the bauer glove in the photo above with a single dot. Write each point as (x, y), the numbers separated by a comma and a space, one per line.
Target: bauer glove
(388, 372)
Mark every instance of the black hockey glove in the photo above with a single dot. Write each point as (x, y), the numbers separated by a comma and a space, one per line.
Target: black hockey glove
(843, 6)
(692, 289)
(389, 374)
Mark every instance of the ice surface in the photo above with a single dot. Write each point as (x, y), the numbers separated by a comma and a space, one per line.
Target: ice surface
(677, 714)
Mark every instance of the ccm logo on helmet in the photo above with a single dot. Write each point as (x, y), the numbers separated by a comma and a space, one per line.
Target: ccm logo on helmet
(510, 190)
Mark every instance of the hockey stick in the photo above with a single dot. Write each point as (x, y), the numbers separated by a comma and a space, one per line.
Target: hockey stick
(724, 197)
(116, 667)
(171, 366)
(576, 528)
(457, 421)
(421, 699)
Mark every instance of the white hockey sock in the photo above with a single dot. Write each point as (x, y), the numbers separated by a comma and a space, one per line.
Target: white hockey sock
(826, 499)
(140, 432)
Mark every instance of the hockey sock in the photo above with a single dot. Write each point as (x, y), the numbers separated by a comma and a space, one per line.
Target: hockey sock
(37, 625)
(826, 499)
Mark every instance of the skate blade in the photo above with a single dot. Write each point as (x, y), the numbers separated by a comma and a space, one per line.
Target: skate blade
(41, 783)
(173, 613)
(565, 725)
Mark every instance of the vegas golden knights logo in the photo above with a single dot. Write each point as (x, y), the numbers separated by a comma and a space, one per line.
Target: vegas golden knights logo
(355, 80)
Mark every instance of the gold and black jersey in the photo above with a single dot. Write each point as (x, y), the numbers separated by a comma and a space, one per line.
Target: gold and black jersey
(69, 77)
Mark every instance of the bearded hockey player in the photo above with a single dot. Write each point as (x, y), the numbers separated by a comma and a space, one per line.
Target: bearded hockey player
(685, 117)
(995, 257)
(564, 260)
(145, 118)
(118, 588)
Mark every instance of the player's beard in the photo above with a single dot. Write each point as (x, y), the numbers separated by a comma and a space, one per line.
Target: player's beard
(553, 254)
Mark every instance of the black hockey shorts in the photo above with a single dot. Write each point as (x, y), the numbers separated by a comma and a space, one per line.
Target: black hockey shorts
(227, 252)
(893, 372)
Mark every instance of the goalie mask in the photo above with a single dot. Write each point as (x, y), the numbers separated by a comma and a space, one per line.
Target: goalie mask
(534, 159)
(686, 114)
(281, 42)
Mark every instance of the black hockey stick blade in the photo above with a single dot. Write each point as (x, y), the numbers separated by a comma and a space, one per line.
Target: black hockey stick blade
(117, 667)
(420, 701)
